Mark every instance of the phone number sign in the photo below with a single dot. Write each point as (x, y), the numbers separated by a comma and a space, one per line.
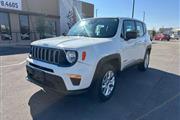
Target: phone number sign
(11, 4)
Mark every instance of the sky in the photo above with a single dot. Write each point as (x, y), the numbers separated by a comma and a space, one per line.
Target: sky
(159, 13)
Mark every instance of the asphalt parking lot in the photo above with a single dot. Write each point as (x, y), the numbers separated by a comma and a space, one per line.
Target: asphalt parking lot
(151, 95)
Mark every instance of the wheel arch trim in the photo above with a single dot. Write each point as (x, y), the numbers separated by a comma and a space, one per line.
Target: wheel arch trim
(104, 60)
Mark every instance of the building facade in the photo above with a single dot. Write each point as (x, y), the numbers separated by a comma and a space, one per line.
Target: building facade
(23, 21)
(72, 11)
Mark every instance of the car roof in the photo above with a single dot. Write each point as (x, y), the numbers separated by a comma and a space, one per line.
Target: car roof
(121, 18)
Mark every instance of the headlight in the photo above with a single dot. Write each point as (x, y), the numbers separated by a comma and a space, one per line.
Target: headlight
(30, 53)
(71, 56)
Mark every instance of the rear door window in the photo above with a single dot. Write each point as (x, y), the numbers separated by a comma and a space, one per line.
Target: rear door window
(128, 25)
(140, 29)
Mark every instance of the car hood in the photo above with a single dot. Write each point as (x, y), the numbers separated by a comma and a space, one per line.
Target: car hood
(69, 42)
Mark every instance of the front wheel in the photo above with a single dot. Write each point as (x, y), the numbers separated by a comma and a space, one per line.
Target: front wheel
(145, 64)
(105, 83)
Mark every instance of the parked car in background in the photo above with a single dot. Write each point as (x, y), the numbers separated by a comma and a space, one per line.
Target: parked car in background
(175, 34)
(162, 37)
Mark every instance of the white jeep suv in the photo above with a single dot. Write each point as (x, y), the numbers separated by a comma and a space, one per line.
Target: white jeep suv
(90, 56)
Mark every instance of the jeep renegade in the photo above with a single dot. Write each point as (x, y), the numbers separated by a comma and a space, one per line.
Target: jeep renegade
(90, 56)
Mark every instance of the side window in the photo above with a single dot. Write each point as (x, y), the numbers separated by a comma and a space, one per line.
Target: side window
(140, 29)
(128, 26)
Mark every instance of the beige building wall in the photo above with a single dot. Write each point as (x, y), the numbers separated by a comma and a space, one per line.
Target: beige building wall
(15, 28)
(49, 7)
(87, 10)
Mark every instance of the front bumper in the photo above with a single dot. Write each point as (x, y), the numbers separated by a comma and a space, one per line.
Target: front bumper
(56, 78)
(49, 81)
(45, 80)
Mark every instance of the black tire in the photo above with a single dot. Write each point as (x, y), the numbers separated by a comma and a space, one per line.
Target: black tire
(145, 64)
(97, 87)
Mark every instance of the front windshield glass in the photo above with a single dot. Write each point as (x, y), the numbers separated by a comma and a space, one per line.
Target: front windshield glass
(98, 28)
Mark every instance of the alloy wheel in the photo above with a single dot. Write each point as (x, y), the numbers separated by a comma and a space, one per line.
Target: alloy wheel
(108, 83)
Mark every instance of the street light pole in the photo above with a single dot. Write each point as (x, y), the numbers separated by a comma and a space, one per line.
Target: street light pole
(133, 8)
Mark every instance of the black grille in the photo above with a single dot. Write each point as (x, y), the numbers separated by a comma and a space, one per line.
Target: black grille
(49, 55)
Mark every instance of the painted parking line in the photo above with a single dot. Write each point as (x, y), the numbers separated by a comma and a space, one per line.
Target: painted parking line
(159, 106)
(12, 65)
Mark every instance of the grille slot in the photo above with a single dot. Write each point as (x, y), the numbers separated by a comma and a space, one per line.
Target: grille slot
(43, 54)
(49, 55)
(56, 57)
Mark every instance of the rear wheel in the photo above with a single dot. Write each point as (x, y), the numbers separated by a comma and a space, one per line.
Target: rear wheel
(105, 83)
(145, 64)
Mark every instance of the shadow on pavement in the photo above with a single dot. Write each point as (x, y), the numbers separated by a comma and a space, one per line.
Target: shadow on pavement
(14, 50)
(136, 93)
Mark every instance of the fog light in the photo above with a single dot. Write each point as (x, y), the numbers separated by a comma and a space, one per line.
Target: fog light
(75, 79)
(30, 56)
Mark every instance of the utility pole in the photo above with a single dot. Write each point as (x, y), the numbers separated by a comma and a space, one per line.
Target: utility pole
(133, 8)
(96, 12)
(144, 16)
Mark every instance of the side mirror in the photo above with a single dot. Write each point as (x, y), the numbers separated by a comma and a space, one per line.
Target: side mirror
(131, 35)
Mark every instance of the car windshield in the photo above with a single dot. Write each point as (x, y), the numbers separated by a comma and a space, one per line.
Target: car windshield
(98, 28)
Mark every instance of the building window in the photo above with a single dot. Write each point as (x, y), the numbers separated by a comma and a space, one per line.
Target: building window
(51, 29)
(24, 27)
(5, 29)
